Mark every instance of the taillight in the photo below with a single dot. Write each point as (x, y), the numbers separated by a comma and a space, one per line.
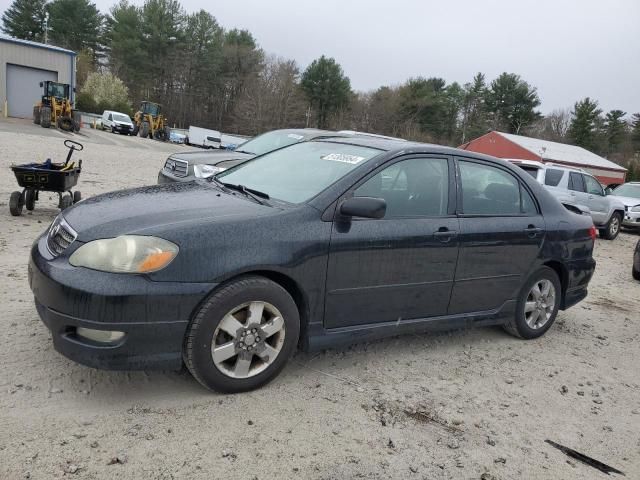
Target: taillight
(593, 232)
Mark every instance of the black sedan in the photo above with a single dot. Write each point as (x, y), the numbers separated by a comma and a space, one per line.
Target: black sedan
(315, 245)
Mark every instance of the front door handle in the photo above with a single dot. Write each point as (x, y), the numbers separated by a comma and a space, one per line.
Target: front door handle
(445, 235)
(532, 231)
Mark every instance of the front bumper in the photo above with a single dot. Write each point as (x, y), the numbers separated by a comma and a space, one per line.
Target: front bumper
(122, 129)
(631, 219)
(153, 315)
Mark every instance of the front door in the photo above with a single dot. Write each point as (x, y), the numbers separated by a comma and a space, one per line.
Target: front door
(501, 233)
(401, 266)
(596, 200)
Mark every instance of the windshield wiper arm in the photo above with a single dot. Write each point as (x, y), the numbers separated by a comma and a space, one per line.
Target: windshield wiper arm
(244, 151)
(257, 195)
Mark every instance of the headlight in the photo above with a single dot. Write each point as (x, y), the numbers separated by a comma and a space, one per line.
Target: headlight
(636, 208)
(125, 254)
(206, 171)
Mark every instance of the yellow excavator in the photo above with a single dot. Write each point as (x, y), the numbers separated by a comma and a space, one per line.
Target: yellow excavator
(149, 122)
(55, 108)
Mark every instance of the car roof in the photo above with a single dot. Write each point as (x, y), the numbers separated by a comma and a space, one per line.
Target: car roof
(307, 133)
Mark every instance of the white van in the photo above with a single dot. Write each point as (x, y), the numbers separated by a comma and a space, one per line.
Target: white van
(117, 122)
(203, 137)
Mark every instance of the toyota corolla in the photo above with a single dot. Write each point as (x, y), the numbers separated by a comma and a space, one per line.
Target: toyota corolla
(316, 245)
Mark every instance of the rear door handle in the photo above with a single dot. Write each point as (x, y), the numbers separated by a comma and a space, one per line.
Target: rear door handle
(445, 235)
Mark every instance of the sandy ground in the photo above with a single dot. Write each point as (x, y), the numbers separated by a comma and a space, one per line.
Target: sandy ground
(467, 404)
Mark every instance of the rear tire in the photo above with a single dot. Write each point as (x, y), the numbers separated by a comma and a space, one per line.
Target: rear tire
(248, 308)
(30, 199)
(636, 273)
(16, 204)
(536, 313)
(45, 117)
(36, 115)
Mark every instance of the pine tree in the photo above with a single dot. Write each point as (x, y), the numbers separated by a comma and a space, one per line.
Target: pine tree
(512, 103)
(327, 88)
(615, 130)
(75, 24)
(25, 19)
(635, 132)
(583, 130)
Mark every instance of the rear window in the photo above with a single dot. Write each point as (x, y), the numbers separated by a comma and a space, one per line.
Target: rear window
(533, 171)
(552, 177)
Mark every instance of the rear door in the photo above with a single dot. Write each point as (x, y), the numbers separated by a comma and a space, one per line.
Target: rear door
(501, 233)
(596, 200)
(402, 266)
(577, 189)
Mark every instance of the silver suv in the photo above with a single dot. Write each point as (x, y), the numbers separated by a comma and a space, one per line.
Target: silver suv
(575, 186)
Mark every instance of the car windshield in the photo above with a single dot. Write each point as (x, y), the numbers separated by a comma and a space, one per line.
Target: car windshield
(628, 190)
(121, 117)
(299, 172)
(270, 141)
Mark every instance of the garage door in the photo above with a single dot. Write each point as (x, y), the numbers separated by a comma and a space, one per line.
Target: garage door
(23, 89)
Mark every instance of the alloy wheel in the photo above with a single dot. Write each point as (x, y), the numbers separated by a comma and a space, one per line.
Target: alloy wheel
(248, 339)
(614, 226)
(540, 304)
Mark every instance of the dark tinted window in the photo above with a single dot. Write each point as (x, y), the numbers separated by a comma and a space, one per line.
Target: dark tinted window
(552, 177)
(488, 190)
(533, 171)
(415, 187)
(528, 205)
(576, 182)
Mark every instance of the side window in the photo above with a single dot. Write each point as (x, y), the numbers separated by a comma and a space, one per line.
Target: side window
(553, 177)
(593, 186)
(110, 117)
(488, 190)
(576, 183)
(528, 205)
(415, 187)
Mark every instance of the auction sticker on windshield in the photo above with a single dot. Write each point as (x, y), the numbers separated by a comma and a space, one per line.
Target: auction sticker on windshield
(343, 158)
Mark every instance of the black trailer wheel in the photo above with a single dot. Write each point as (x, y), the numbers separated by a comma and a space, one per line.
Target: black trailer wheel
(36, 115)
(30, 199)
(76, 197)
(16, 202)
(45, 117)
(65, 202)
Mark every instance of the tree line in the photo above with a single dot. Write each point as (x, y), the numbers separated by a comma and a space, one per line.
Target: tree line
(220, 78)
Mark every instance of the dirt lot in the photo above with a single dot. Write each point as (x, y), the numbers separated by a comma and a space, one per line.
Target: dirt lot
(456, 405)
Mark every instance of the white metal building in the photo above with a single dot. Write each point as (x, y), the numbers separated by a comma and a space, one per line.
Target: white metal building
(23, 65)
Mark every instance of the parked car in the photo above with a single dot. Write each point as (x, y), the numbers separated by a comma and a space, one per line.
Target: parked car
(117, 122)
(307, 245)
(203, 137)
(573, 185)
(629, 195)
(635, 270)
(187, 166)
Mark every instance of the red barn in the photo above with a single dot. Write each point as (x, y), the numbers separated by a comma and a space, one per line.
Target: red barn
(506, 145)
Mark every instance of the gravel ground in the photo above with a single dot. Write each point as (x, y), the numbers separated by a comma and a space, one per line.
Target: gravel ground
(466, 404)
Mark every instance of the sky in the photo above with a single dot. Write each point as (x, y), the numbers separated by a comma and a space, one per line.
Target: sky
(568, 49)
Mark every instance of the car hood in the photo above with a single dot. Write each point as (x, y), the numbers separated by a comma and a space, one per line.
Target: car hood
(146, 210)
(209, 157)
(627, 201)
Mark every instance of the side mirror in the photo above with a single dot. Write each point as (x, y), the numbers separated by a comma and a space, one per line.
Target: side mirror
(364, 207)
(608, 191)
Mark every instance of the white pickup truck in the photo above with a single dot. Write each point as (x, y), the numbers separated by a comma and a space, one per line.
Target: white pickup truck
(203, 137)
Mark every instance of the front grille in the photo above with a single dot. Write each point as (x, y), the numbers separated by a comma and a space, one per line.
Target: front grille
(60, 236)
(179, 168)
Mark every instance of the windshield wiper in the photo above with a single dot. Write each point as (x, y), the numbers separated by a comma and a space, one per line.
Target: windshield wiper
(244, 151)
(257, 195)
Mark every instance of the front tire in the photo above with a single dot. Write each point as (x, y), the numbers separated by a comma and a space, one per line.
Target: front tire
(243, 335)
(635, 272)
(537, 307)
(612, 229)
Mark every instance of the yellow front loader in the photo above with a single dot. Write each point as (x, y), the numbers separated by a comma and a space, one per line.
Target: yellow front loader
(149, 122)
(55, 108)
